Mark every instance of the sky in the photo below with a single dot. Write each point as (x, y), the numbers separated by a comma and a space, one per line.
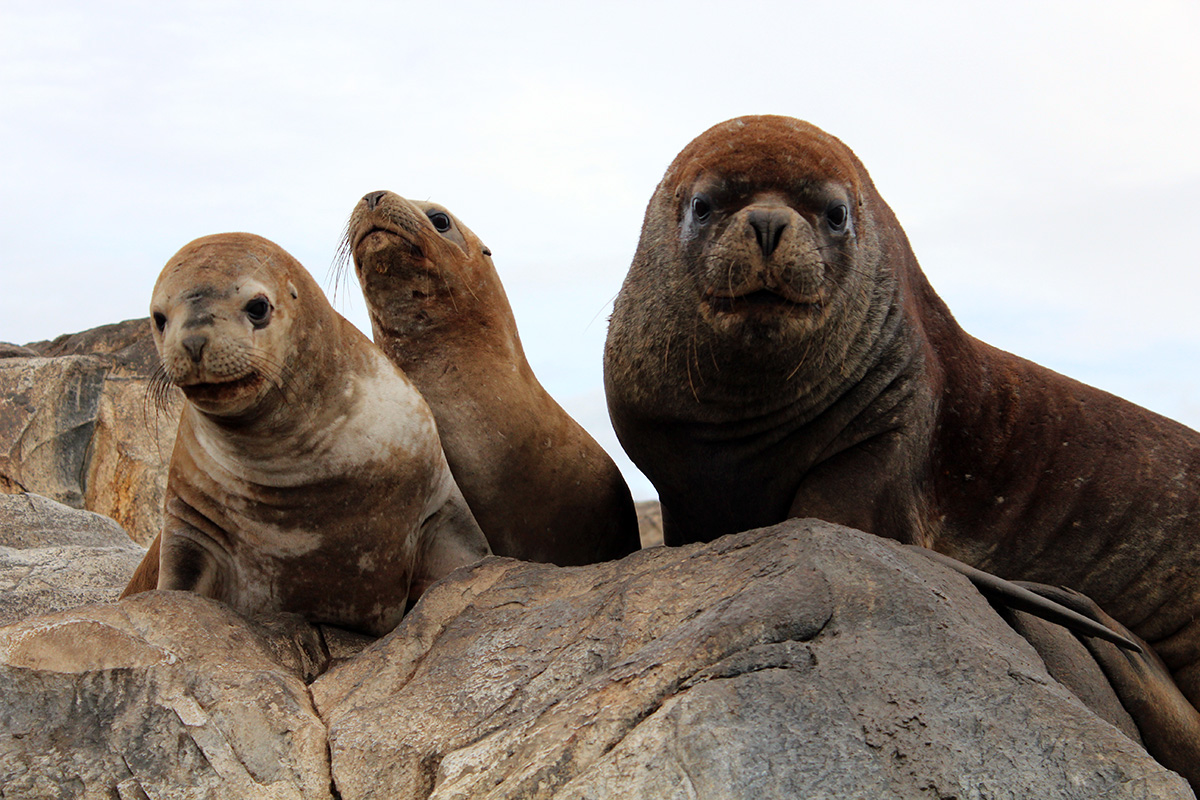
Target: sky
(1043, 157)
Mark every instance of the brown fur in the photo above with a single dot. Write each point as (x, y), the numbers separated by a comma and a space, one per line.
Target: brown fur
(307, 475)
(540, 486)
(863, 402)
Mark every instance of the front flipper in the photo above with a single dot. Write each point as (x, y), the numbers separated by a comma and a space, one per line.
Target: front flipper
(145, 577)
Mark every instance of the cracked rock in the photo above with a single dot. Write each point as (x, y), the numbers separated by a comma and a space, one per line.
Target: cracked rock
(77, 424)
(167, 693)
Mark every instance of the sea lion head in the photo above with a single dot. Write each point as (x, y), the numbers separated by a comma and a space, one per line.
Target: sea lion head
(225, 318)
(765, 254)
(418, 265)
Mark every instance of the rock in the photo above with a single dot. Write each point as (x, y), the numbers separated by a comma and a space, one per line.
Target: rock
(53, 557)
(649, 516)
(130, 454)
(47, 414)
(166, 694)
(804, 660)
(129, 343)
(77, 424)
(9, 350)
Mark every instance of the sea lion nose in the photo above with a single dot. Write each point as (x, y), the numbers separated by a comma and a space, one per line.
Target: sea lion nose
(373, 199)
(768, 224)
(194, 344)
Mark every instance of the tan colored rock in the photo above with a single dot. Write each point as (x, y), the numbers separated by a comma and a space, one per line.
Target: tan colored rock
(649, 516)
(77, 424)
(48, 411)
(9, 350)
(130, 454)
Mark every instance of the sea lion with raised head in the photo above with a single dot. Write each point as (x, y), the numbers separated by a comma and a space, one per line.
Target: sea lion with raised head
(776, 351)
(307, 474)
(540, 486)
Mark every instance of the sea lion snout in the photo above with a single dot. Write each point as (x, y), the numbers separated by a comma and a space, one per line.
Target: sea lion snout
(768, 224)
(768, 251)
(194, 345)
(372, 198)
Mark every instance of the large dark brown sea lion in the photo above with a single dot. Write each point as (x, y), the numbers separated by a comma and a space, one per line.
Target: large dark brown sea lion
(307, 474)
(776, 352)
(540, 486)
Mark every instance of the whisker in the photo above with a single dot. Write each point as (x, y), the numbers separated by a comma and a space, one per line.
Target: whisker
(342, 258)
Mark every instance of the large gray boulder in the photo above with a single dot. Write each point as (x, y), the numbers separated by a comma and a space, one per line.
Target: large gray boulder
(77, 424)
(48, 413)
(805, 660)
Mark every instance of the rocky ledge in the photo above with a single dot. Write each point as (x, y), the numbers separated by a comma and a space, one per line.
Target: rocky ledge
(803, 660)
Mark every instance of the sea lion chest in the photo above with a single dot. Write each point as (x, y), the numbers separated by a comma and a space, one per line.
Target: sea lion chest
(341, 496)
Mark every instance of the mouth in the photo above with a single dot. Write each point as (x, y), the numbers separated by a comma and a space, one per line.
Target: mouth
(210, 393)
(761, 301)
(376, 232)
(374, 238)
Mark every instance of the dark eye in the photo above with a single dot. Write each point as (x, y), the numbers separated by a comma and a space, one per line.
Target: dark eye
(440, 221)
(837, 216)
(160, 321)
(701, 210)
(258, 311)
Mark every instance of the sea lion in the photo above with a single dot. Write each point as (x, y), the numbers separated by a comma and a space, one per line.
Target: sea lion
(307, 474)
(540, 486)
(776, 351)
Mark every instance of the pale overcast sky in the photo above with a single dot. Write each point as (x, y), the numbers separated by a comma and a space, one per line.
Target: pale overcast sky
(1042, 156)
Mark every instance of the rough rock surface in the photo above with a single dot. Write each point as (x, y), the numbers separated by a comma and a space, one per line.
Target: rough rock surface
(166, 694)
(76, 424)
(53, 557)
(805, 660)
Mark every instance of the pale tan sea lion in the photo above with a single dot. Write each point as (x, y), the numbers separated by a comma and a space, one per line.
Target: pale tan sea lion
(307, 474)
(540, 486)
(776, 352)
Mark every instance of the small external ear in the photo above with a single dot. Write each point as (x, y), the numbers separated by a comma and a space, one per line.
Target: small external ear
(487, 251)
(292, 290)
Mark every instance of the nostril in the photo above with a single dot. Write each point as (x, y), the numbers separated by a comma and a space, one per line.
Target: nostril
(768, 225)
(195, 346)
(373, 199)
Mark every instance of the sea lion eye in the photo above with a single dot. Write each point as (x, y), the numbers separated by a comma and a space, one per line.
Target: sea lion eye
(160, 321)
(258, 311)
(701, 209)
(440, 221)
(837, 215)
